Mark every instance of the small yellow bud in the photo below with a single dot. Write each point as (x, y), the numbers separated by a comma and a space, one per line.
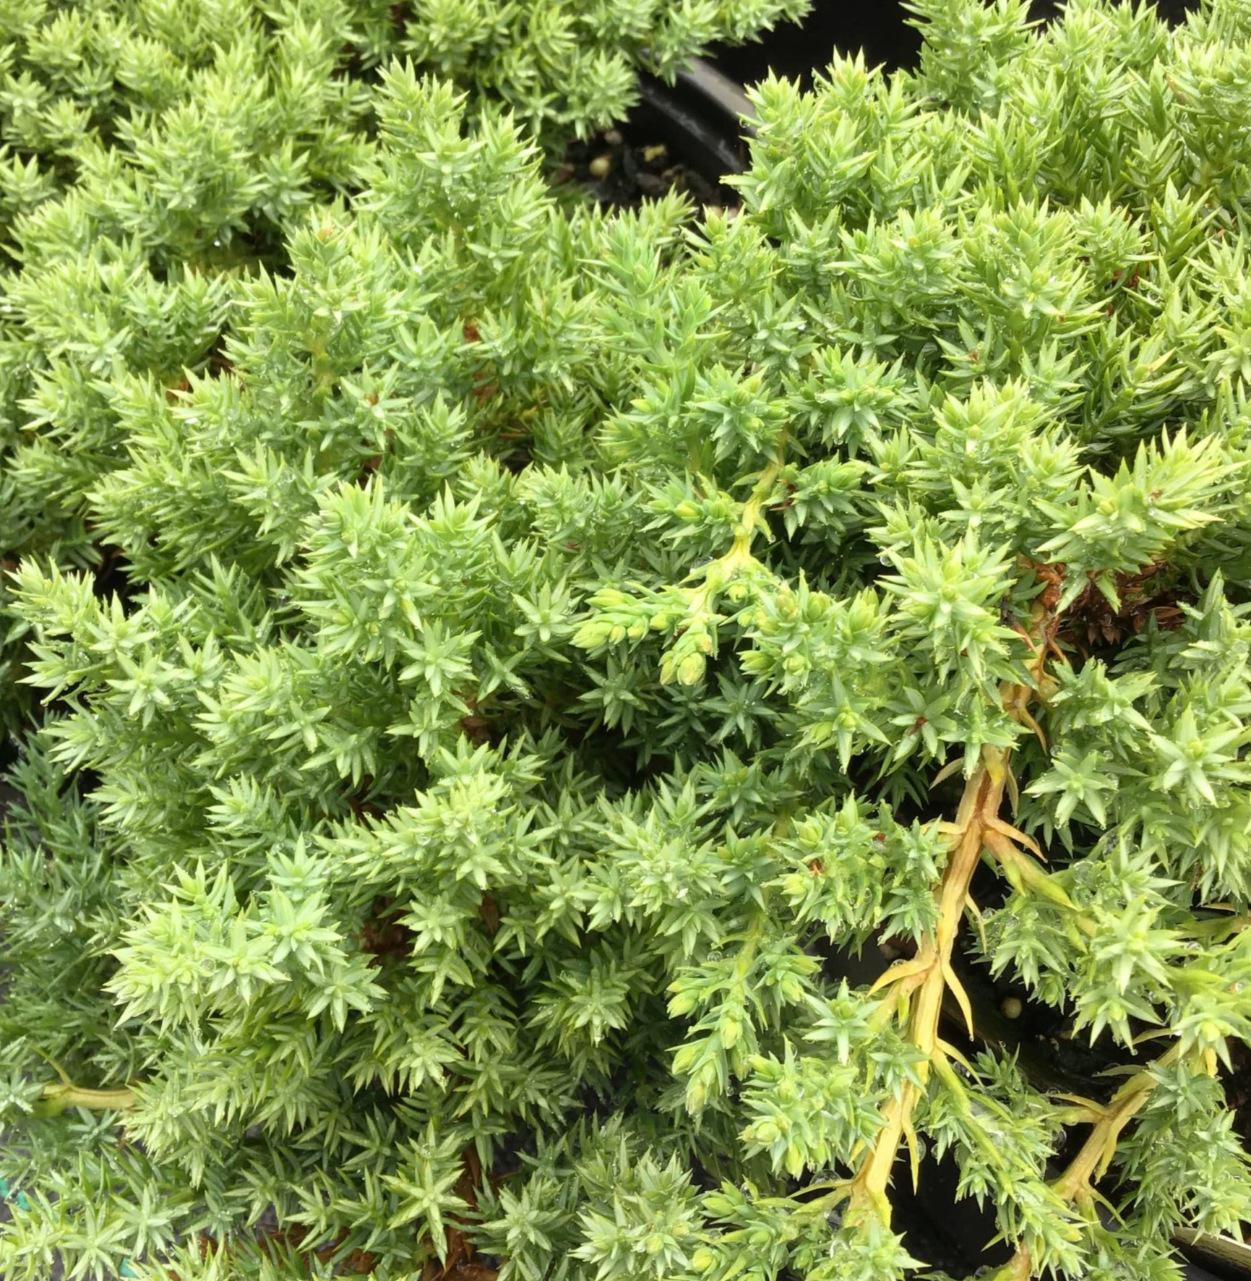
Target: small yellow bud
(764, 1133)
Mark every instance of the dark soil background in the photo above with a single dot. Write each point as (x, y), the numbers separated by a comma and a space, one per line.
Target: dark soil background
(680, 138)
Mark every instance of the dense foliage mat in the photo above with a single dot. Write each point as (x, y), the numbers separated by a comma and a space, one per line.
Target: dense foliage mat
(154, 151)
(542, 645)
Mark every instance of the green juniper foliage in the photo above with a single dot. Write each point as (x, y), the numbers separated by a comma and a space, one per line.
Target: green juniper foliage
(547, 643)
(154, 152)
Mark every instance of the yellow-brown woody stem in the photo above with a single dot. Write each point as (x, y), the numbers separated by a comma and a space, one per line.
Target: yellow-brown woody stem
(1076, 1184)
(923, 980)
(919, 985)
(55, 1099)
